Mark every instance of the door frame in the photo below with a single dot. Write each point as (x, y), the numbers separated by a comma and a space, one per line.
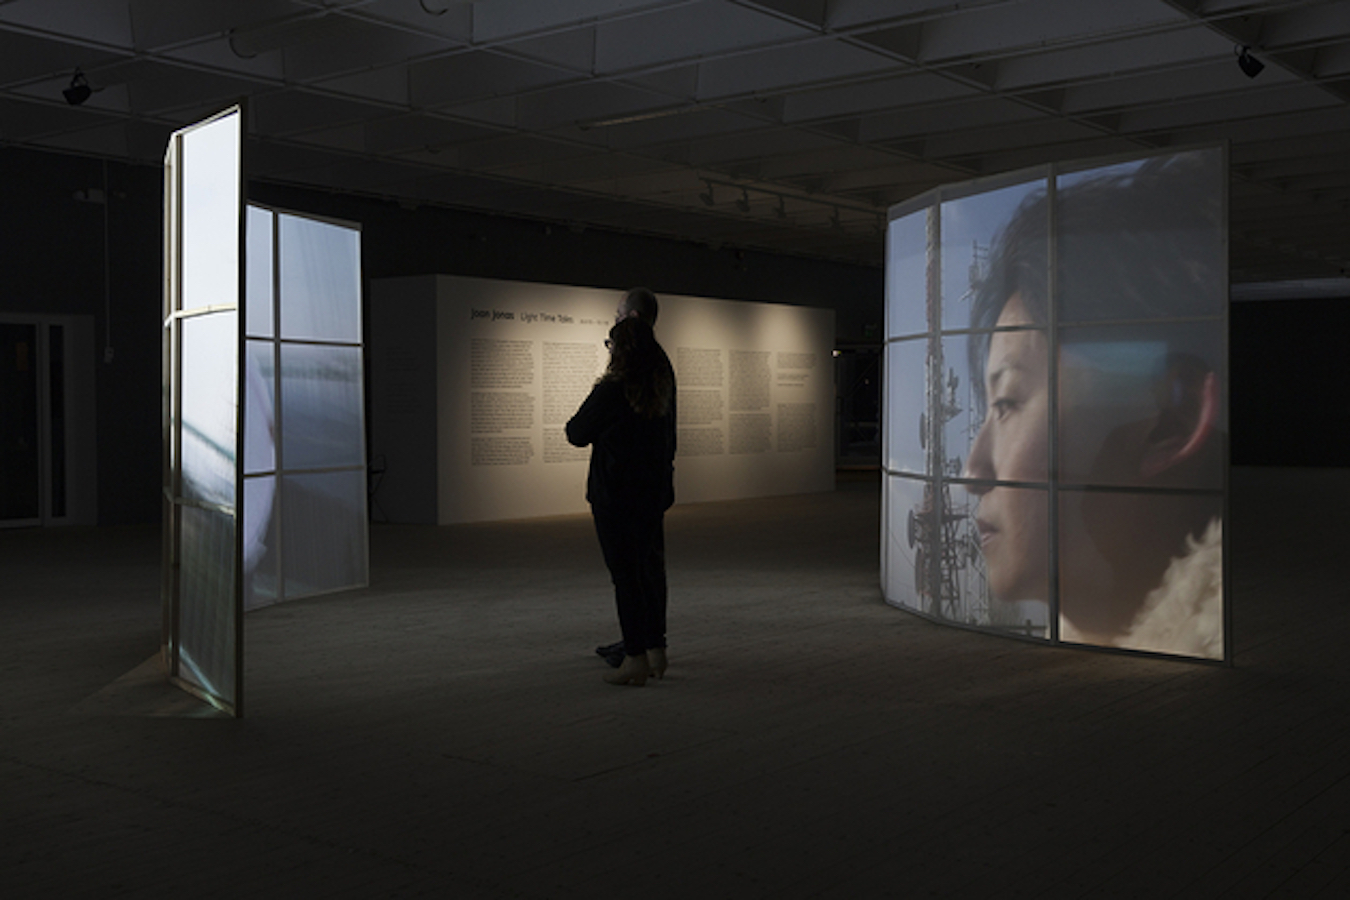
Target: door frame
(80, 464)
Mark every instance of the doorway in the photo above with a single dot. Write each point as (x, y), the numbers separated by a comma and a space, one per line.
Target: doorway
(46, 421)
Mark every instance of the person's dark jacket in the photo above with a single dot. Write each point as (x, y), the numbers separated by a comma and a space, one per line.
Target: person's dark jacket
(632, 457)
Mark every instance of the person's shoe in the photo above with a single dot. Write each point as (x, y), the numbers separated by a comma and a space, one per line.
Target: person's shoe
(612, 653)
(634, 671)
(656, 662)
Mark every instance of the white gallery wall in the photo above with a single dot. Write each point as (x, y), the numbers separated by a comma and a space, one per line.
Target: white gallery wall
(473, 379)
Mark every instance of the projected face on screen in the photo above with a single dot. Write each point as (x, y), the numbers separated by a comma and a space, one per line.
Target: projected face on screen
(1012, 444)
(1138, 444)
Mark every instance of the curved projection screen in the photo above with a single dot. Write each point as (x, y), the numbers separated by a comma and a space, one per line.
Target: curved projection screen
(1056, 414)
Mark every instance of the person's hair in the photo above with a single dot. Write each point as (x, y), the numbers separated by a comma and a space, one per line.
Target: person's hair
(643, 302)
(1132, 246)
(636, 362)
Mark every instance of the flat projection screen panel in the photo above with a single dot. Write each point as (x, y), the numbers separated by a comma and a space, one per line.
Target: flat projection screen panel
(906, 417)
(1096, 254)
(1089, 539)
(207, 647)
(324, 531)
(262, 580)
(208, 394)
(320, 280)
(260, 266)
(906, 274)
(1056, 440)
(260, 445)
(203, 254)
(902, 548)
(211, 200)
(304, 434)
(321, 406)
(966, 242)
(1130, 364)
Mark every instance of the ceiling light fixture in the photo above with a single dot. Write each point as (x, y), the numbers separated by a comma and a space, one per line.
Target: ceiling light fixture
(807, 205)
(665, 113)
(79, 89)
(1250, 65)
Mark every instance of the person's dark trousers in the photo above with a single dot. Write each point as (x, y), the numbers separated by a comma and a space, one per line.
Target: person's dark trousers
(633, 544)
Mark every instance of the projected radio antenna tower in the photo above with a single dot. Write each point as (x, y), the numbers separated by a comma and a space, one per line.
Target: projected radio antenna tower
(942, 536)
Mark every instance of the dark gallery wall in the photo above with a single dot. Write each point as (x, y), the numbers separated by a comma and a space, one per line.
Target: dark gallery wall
(1290, 371)
(1287, 358)
(425, 240)
(52, 263)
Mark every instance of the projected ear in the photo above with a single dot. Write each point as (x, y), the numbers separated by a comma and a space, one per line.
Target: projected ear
(1188, 415)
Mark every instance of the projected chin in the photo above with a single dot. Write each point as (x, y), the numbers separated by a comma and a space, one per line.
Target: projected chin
(1013, 526)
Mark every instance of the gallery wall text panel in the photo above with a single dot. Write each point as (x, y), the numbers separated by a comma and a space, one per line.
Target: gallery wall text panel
(514, 360)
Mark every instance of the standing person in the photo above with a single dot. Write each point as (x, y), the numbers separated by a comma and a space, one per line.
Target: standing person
(640, 303)
(629, 422)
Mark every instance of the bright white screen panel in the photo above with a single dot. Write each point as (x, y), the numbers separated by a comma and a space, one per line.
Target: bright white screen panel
(208, 387)
(210, 180)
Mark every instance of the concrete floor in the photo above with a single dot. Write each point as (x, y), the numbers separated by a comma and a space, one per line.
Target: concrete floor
(445, 732)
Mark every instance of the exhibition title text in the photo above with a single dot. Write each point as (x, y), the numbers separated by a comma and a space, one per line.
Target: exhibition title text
(498, 315)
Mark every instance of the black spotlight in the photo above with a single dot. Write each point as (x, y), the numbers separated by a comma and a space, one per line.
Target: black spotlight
(1250, 65)
(79, 89)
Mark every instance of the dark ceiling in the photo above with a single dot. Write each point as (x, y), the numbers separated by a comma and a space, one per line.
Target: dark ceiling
(785, 125)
